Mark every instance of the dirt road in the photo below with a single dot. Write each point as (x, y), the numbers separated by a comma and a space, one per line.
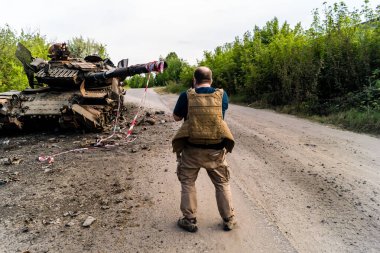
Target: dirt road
(297, 186)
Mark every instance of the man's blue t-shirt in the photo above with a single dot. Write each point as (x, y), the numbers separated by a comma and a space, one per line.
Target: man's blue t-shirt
(180, 108)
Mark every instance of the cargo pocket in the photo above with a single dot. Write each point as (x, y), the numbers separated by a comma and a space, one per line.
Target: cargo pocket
(216, 155)
(227, 173)
(214, 159)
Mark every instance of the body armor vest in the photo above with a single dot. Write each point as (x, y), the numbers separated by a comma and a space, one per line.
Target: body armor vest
(204, 124)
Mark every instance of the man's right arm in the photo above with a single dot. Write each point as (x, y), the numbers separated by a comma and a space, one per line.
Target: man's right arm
(180, 109)
(177, 118)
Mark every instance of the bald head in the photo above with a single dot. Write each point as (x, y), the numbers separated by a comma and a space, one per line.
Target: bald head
(202, 75)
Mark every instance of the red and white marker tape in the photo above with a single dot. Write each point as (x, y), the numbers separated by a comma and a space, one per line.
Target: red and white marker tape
(50, 158)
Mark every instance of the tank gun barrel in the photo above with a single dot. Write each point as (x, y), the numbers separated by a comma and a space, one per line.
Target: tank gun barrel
(122, 73)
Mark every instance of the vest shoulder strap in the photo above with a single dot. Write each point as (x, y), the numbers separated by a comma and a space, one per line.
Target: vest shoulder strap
(191, 91)
(220, 91)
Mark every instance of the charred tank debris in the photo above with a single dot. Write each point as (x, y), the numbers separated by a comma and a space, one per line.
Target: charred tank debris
(74, 92)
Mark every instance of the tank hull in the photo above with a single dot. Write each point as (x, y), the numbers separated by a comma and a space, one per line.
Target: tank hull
(90, 110)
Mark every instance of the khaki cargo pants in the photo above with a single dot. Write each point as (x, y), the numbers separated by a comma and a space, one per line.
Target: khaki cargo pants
(214, 161)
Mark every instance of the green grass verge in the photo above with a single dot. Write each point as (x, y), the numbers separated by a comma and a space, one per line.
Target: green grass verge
(239, 99)
(173, 87)
(355, 120)
(352, 119)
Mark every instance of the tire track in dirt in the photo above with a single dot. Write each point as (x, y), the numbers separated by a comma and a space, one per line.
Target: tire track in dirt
(318, 199)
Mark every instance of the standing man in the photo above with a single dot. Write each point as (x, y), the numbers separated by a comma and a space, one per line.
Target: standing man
(202, 142)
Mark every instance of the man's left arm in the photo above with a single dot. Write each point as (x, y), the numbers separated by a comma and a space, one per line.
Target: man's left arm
(224, 103)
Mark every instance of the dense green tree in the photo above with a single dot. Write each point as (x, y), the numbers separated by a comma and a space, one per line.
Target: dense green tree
(11, 71)
(186, 75)
(136, 81)
(178, 71)
(80, 47)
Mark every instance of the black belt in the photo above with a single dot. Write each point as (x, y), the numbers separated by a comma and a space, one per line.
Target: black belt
(217, 146)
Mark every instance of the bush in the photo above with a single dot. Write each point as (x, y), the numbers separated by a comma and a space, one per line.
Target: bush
(173, 87)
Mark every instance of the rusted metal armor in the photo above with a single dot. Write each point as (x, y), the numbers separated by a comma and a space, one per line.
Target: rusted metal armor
(79, 93)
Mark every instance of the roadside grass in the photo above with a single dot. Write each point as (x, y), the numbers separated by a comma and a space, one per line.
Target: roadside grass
(173, 87)
(239, 99)
(354, 119)
(160, 90)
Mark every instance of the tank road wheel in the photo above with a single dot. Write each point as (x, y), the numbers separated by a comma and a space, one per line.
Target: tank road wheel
(88, 117)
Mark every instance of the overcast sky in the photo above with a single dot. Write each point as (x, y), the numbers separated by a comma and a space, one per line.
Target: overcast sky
(144, 30)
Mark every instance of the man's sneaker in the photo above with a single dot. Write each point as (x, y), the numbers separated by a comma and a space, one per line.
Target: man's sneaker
(188, 224)
(229, 223)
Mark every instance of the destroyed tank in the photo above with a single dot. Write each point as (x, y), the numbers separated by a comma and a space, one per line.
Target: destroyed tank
(74, 92)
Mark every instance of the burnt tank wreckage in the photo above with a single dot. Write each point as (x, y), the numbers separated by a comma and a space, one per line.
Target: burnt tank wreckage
(75, 92)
